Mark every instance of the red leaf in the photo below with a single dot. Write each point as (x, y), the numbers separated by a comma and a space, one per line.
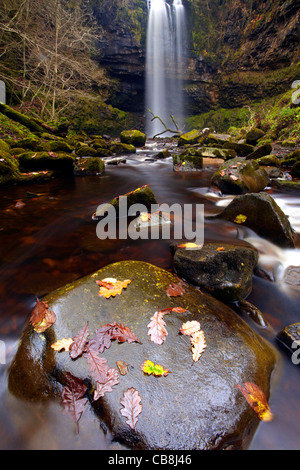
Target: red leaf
(110, 379)
(157, 330)
(109, 332)
(73, 397)
(175, 290)
(79, 343)
(98, 365)
(41, 318)
(132, 407)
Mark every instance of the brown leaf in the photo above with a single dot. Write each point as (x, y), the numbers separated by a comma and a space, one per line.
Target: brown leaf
(175, 290)
(157, 330)
(132, 407)
(41, 318)
(111, 287)
(198, 344)
(73, 399)
(109, 332)
(79, 343)
(97, 365)
(110, 379)
(257, 400)
(190, 327)
(123, 367)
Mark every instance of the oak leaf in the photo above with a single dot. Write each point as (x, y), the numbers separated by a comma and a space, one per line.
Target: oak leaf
(131, 401)
(73, 399)
(110, 379)
(109, 332)
(110, 287)
(257, 400)
(61, 344)
(41, 318)
(175, 290)
(190, 327)
(198, 344)
(148, 367)
(77, 348)
(240, 219)
(157, 330)
(123, 367)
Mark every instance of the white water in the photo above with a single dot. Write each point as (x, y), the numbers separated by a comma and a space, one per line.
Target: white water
(165, 52)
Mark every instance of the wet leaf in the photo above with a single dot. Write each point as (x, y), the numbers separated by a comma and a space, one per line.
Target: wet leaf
(189, 245)
(190, 327)
(110, 379)
(257, 400)
(73, 399)
(157, 330)
(97, 365)
(175, 290)
(62, 344)
(148, 367)
(79, 343)
(111, 287)
(109, 332)
(198, 344)
(240, 219)
(123, 367)
(41, 318)
(131, 401)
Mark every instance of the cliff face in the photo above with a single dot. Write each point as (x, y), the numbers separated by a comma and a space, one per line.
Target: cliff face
(239, 50)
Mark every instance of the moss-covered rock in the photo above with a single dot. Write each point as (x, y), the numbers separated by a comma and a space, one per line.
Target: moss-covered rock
(261, 151)
(4, 147)
(187, 163)
(85, 151)
(253, 136)
(133, 137)
(296, 170)
(190, 138)
(239, 176)
(30, 143)
(291, 158)
(57, 146)
(89, 166)
(119, 148)
(285, 185)
(242, 150)
(210, 152)
(269, 160)
(38, 161)
(9, 168)
(31, 124)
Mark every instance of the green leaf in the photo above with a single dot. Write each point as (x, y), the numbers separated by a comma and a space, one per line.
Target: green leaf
(148, 367)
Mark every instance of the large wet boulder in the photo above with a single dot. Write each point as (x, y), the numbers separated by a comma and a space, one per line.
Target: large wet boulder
(197, 405)
(133, 137)
(261, 213)
(190, 138)
(223, 270)
(240, 176)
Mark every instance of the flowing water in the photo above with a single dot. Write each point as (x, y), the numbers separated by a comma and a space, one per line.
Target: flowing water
(50, 240)
(165, 53)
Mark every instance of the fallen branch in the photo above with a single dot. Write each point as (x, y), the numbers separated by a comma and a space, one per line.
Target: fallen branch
(167, 129)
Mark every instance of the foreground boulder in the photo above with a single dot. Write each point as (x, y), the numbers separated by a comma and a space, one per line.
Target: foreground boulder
(261, 213)
(240, 176)
(197, 405)
(223, 270)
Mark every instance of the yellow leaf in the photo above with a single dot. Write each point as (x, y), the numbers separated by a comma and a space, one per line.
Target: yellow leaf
(62, 344)
(257, 400)
(240, 219)
(111, 287)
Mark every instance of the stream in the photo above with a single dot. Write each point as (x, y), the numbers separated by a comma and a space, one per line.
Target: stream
(50, 240)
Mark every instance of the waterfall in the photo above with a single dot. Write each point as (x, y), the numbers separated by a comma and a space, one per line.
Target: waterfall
(165, 54)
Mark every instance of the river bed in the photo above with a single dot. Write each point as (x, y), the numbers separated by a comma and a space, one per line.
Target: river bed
(50, 240)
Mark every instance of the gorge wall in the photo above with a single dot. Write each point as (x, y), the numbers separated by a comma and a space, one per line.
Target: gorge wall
(239, 51)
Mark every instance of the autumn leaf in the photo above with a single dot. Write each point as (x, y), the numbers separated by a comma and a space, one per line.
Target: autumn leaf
(123, 367)
(190, 246)
(73, 399)
(61, 344)
(131, 401)
(111, 287)
(190, 327)
(97, 365)
(148, 367)
(240, 219)
(110, 379)
(179, 309)
(157, 330)
(109, 332)
(41, 318)
(79, 343)
(198, 344)
(257, 400)
(220, 248)
(175, 290)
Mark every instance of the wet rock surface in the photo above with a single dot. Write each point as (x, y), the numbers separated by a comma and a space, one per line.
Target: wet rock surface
(196, 406)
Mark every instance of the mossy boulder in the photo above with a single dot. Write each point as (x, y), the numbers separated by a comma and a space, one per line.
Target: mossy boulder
(210, 152)
(29, 143)
(190, 138)
(261, 213)
(295, 172)
(269, 160)
(242, 150)
(239, 176)
(253, 136)
(260, 151)
(197, 406)
(122, 149)
(286, 185)
(133, 137)
(30, 123)
(57, 146)
(291, 158)
(38, 161)
(187, 163)
(9, 168)
(89, 166)
(4, 147)
(85, 151)
(223, 270)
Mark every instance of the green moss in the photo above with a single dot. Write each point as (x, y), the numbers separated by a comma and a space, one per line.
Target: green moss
(40, 161)
(9, 168)
(89, 166)
(133, 137)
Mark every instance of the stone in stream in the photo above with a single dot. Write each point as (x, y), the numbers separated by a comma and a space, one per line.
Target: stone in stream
(223, 270)
(197, 405)
(262, 214)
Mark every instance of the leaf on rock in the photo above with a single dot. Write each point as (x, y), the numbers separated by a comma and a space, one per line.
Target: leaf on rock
(157, 330)
(190, 246)
(109, 332)
(123, 367)
(148, 367)
(41, 318)
(175, 290)
(190, 327)
(111, 287)
(62, 344)
(110, 379)
(198, 344)
(97, 365)
(73, 399)
(257, 400)
(132, 406)
(240, 219)
(79, 343)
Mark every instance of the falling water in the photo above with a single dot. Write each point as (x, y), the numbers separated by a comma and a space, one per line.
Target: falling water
(165, 64)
